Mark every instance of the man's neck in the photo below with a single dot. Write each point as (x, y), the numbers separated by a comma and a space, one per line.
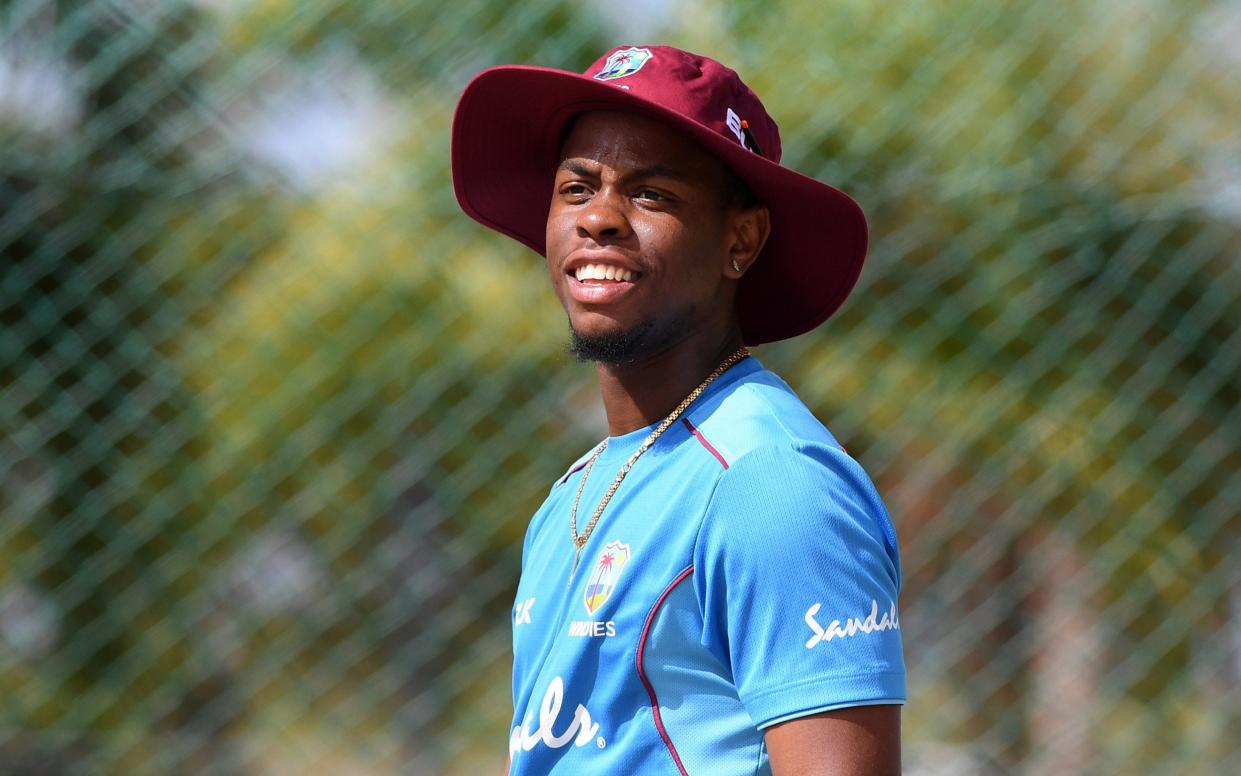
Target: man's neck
(645, 392)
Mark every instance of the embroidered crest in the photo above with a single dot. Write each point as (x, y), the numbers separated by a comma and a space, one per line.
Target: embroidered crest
(602, 580)
(624, 62)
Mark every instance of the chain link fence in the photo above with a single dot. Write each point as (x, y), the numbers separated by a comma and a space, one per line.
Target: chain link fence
(273, 412)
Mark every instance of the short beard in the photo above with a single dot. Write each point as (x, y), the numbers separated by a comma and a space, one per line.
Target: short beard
(621, 347)
(629, 347)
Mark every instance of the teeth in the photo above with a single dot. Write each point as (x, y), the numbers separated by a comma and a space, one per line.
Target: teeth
(603, 272)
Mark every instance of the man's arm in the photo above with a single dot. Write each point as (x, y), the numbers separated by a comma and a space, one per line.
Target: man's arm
(857, 741)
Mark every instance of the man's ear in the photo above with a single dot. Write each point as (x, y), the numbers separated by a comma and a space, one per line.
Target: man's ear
(749, 229)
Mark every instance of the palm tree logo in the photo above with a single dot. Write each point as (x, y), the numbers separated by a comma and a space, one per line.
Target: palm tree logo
(602, 580)
(624, 62)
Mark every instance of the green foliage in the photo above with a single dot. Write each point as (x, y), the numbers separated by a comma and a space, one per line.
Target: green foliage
(270, 437)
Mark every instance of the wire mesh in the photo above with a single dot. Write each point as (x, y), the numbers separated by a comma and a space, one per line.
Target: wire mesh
(273, 412)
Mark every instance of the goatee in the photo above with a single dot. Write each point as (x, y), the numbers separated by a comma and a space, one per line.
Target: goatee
(615, 347)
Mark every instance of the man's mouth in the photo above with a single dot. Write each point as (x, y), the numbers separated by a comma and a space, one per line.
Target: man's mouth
(600, 283)
(603, 273)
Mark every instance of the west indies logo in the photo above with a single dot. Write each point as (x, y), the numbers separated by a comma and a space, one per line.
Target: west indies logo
(624, 62)
(602, 580)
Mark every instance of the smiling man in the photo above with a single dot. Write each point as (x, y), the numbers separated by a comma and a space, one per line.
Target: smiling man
(712, 588)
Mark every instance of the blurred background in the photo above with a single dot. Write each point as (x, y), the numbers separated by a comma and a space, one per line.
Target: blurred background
(274, 413)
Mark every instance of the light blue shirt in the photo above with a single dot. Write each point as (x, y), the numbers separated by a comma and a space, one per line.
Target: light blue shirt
(745, 573)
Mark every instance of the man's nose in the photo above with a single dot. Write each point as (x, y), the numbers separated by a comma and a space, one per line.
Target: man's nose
(604, 217)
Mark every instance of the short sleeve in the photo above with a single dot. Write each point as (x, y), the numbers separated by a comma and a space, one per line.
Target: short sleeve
(797, 573)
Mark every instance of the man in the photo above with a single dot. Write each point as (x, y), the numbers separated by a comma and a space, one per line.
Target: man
(712, 588)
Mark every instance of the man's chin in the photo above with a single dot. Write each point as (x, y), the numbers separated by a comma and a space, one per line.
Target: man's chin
(613, 347)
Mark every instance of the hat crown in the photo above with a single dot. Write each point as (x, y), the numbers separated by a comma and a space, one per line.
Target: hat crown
(697, 87)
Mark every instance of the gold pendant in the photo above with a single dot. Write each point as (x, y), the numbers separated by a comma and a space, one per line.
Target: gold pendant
(577, 555)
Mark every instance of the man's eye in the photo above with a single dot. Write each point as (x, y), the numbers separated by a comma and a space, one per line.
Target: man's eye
(653, 196)
(574, 189)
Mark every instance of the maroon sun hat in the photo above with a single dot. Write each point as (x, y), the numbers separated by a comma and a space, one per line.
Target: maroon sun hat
(511, 120)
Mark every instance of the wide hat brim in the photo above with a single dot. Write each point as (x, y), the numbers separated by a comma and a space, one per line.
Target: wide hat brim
(506, 135)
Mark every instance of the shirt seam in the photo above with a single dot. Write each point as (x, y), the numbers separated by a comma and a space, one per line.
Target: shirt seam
(647, 682)
(828, 707)
(821, 677)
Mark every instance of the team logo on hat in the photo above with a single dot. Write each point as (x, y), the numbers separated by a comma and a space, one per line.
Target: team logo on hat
(624, 62)
(602, 580)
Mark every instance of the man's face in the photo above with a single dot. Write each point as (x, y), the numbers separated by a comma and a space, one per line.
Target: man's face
(638, 237)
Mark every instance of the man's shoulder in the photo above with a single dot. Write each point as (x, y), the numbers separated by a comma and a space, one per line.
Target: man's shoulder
(789, 486)
(760, 412)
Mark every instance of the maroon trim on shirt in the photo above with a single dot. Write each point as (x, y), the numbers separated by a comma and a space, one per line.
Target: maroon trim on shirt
(698, 435)
(646, 630)
(576, 467)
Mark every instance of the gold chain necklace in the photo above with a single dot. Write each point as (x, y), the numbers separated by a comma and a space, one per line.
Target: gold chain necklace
(579, 540)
